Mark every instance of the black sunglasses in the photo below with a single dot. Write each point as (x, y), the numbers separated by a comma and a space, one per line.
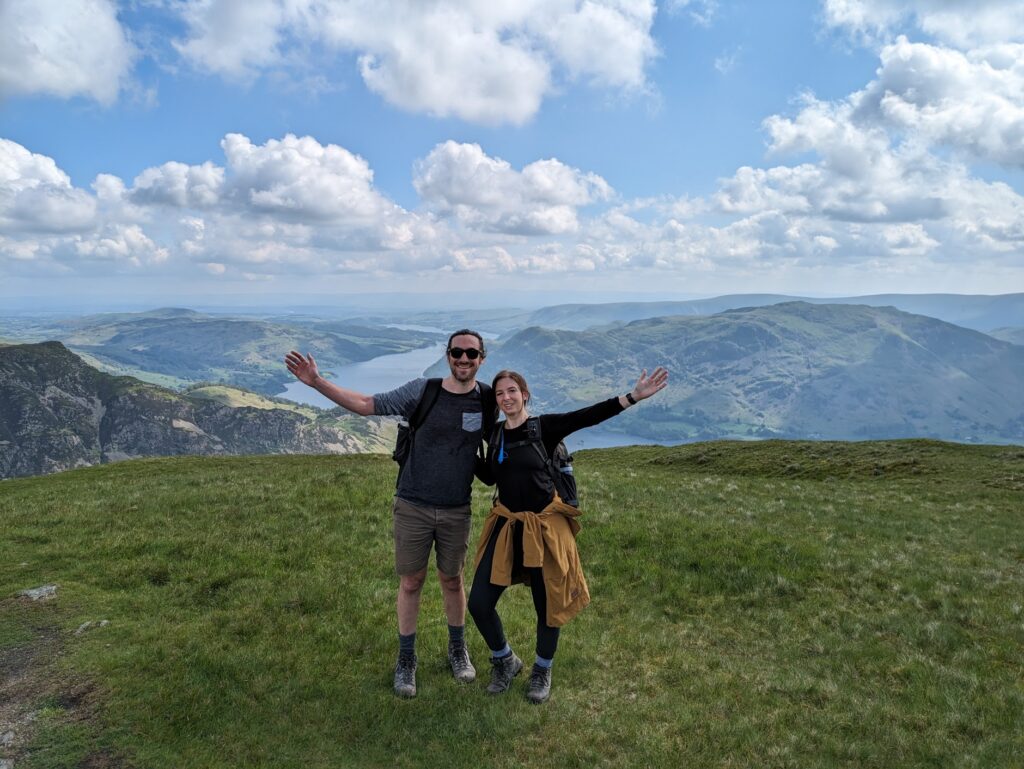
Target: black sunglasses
(457, 352)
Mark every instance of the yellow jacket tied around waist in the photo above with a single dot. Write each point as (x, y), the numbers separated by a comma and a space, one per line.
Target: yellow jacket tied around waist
(549, 542)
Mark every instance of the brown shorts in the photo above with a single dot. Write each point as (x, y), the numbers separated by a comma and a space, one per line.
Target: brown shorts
(417, 528)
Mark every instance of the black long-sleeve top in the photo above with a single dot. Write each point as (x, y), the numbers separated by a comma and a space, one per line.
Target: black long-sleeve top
(522, 477)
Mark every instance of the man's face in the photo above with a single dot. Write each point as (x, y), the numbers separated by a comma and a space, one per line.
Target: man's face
(464, 369)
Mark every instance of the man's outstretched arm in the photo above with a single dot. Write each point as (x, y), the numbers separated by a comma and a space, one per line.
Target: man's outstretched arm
(305, 370)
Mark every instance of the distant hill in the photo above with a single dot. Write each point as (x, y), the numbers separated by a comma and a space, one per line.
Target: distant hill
(491, 322)
(175, 347)
(578, 317)
(56, 413)
(981, 313)
(1014, 335)
(789, 370)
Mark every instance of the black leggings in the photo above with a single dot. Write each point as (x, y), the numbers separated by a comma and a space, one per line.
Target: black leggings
(483, 598)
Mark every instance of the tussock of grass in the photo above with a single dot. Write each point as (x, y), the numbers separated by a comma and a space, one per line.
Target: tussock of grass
(862, 609)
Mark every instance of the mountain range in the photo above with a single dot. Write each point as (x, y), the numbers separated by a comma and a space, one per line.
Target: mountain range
(979, 312)
(787, 370)
(178, 347)
(790, 370)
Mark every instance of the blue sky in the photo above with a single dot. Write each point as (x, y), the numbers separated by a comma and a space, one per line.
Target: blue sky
(255, 151)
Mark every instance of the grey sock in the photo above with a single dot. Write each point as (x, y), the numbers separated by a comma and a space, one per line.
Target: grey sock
(501, 653)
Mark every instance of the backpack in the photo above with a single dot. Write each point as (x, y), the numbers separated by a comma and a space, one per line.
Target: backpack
(406, 431)
(559, 464)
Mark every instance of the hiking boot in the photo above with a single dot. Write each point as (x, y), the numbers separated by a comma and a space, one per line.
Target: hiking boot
(502, 672)
(539, 688)
(458, 658)
(405, 675)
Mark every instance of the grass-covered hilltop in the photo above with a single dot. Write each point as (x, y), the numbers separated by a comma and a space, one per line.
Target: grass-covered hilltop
(775, 604)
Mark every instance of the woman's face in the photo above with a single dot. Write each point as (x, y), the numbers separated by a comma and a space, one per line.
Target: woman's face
(509, 396)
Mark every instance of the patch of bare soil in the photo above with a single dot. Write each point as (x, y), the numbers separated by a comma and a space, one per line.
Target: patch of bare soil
(30, 678)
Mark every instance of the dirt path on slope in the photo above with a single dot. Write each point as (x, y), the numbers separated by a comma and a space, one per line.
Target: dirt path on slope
(37, 692)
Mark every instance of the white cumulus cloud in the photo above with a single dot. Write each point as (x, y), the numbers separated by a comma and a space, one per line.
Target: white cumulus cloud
(972, 101)
(489, 62)
(120, 243)
(233, 37)
(63, 48)
(485, 193)
(299, 178)
(440, 62)
(861, 175)
(962, 23)
(584, 40)
(177, 184)
(37, 197)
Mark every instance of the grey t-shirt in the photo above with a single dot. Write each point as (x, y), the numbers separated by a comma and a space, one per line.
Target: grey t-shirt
(439, 469)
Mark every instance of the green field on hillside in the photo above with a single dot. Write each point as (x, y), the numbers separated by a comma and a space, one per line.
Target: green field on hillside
(236, 397)
(774, 604)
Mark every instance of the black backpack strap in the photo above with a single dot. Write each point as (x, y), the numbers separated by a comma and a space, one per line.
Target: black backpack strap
(488, 406)
(407, 431)
(533, 436)
(493, 439)
(427, 401)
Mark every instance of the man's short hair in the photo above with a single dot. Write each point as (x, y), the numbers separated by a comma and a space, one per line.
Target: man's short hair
(468, 332)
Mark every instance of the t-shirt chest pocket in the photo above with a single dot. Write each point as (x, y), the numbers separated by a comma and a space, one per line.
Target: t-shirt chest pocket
(472, 421)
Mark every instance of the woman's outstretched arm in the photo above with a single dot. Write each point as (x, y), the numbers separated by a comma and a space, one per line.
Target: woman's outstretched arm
(555, 427)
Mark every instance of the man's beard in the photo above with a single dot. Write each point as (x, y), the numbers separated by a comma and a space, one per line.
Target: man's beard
(462, 374)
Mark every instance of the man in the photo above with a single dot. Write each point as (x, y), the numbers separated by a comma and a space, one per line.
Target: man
(432, 499)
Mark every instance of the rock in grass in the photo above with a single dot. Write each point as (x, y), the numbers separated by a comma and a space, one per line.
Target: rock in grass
(38, 594)
(91, 623)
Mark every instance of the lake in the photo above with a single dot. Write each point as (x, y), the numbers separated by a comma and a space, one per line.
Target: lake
(596, 438)
(378, 375)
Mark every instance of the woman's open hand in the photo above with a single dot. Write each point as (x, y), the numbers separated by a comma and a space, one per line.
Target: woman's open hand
(646, 386)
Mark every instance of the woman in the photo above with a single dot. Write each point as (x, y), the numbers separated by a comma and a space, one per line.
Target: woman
(530, 533)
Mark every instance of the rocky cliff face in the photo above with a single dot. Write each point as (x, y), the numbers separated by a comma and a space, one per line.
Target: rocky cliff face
(58, 413)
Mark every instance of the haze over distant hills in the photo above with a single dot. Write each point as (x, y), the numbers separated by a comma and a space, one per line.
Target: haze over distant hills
(1014, 335)
(981, 313)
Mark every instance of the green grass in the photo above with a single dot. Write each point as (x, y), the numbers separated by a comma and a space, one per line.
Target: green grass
(238, 398)
(768, 604)
(117, 369)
